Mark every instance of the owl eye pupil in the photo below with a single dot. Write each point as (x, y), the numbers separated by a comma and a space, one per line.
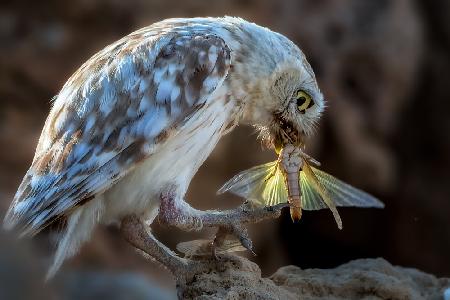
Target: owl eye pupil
(301, 100)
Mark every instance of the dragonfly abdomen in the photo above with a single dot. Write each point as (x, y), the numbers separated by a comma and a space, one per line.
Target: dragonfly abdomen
(290, 164)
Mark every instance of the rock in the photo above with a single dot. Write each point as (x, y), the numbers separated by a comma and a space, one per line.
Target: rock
(361, 279)
(240, 278)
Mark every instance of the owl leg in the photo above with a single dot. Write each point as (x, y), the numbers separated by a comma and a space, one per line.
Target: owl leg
(136, 233)
(176, 212)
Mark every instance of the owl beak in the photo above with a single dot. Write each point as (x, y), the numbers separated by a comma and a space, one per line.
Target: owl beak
(285, 132)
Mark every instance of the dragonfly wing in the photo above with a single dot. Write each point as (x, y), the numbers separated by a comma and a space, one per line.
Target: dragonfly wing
(274, 191)
(344, 194)
(244, 182)
(313, 183)
(262, 184)
(311, 199)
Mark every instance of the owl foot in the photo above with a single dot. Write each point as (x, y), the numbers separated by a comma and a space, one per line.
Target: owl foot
(136, 233)
(232, 223)
(177, 212)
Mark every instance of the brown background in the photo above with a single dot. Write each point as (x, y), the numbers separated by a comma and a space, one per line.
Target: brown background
(384, 67)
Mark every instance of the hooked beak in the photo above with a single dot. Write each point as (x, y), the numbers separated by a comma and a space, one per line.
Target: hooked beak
(284, 132)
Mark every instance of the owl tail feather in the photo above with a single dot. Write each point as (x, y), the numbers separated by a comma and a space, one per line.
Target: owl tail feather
(79, 228)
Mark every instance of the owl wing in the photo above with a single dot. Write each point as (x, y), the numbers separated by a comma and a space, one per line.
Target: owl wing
(113, 113)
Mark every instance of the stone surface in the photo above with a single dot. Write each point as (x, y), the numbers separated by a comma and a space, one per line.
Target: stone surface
(240, 278)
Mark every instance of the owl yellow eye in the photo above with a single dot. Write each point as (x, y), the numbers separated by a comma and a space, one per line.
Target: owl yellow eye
(304, 101)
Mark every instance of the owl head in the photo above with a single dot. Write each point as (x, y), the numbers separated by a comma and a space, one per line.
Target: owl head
(282, 98)
(298, 103)
(288, 104)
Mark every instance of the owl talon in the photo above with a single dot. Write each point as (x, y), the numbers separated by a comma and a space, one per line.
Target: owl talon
(135, 232)
(277, 208)
(234, 229)
(176, 212)
(241, 233)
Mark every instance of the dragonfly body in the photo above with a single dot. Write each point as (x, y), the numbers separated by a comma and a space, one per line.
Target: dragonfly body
(290, 164)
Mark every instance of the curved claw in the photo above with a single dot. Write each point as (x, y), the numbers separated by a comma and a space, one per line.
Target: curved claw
(234, 229)
(242, 234)
(278, 207)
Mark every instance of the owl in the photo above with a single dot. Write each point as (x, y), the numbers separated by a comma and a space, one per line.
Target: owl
(131, 127)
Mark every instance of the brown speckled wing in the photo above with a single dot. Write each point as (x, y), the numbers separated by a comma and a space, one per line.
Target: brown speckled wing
(113, 113)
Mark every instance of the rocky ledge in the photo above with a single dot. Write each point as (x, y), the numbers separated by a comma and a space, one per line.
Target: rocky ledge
(239, 278)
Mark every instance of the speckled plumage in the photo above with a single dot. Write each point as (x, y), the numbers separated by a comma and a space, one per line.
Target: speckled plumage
(146, 111)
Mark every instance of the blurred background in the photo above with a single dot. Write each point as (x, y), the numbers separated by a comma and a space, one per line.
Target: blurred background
(384, 68)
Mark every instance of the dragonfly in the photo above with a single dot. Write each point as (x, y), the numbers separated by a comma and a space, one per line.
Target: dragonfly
(294, 178)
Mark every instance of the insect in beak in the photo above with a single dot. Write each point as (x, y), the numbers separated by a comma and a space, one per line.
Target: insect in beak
(283, 132)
